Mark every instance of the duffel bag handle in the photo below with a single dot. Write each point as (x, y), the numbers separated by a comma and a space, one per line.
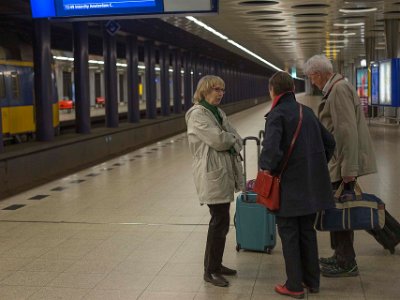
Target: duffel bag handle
(357, 191)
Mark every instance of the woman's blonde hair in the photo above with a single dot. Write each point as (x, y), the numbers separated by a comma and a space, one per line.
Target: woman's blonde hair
(205, 86)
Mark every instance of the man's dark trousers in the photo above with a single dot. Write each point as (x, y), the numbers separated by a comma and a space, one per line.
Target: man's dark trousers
(342, 241)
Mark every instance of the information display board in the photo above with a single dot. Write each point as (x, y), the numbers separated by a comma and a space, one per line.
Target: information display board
(389, 82)
(118, 9)
(362, 82)
(385, 82)
(375, 84)
(362, 87)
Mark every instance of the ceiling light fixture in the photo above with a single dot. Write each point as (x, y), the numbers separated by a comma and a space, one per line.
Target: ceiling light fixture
(349, 24)
(205, 26)
(343, 34)
(337, 41)
(358, 10)
(212, 30)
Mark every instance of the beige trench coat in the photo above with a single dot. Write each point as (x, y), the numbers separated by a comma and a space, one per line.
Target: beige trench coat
(217, 174)
(341, 113)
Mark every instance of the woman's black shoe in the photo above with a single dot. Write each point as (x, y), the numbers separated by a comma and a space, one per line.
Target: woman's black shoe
(216, 279)
(226, 271)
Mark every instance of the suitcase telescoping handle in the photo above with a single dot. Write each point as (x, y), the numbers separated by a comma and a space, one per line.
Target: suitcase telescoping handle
(257, 140)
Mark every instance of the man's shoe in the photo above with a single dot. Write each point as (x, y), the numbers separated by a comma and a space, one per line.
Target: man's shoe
(337, 271)
(328, 261)
(282, 289)
(311, 290)
(226, 271)
(215, 279)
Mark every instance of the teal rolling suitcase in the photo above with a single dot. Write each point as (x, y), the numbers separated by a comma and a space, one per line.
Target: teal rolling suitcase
(255, 226)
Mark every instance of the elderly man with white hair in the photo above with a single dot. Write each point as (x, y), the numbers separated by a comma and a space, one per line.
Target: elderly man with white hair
(341, 113)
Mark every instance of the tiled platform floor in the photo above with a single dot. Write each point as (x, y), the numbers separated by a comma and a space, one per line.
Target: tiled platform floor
(132, 228)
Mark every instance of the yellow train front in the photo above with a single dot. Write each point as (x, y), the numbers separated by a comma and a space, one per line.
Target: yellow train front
(17, 100)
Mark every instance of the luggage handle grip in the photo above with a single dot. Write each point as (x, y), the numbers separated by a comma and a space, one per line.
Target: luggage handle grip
(252, 138)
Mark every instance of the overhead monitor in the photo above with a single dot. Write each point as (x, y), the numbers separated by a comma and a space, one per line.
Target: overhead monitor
(118, 9)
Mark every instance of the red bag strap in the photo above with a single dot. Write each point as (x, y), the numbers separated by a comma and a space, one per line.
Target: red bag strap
(296, 134)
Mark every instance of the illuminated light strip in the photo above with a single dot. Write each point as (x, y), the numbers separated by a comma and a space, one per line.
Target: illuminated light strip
(212, 30)
(343, 34)
(205, 26)
(349, 24)
(358, 10)
(253, 54)
(336, 41)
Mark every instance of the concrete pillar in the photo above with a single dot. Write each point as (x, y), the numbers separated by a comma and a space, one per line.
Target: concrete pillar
(187, 81)
(132, 59)
(110, 78)
(150, 63)
(43, 81)
(177, 88)
(164, 79)
(81, 75)
(371, 53)
(392, 37)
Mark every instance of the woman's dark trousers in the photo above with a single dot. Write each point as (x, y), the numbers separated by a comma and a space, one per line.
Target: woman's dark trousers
(216, 238)
(300, 251)
(342, 241)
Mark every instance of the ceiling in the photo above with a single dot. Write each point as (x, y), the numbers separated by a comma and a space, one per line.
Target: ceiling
(288, 32)
(283, 32)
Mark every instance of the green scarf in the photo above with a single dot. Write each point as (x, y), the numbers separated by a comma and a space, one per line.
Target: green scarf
(213, 109)
(217, 115)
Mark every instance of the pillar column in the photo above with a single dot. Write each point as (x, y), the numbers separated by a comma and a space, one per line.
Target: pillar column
(132, 60)
(164, 79)
(150, 63)
(187, 81)
(110, 78)
(81, 75)
(177, 82)
(43, 81)
(392, 37)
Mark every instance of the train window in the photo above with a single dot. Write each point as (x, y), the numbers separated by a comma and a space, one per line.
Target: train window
(15, 85)
(67, 85)
(2, 86)
(97, 85)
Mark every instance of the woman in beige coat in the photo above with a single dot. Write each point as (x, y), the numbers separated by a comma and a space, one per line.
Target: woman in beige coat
(217, 170)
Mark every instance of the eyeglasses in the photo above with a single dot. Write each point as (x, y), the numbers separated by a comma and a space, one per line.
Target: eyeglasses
(219, 90)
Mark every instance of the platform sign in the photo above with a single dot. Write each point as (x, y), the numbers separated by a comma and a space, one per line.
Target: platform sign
(375, 84)
(389, 82)
(118, 9)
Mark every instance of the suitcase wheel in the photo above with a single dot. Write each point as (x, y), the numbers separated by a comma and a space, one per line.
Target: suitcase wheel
(237, 247)
(268, 250)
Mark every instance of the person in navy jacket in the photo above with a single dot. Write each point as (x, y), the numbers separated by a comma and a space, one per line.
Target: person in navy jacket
(305, 182)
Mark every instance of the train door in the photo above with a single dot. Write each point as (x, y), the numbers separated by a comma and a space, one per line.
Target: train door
(121, 88)
(158, 86)
(99, 98)
(21, 111)
(4, 103)
(68, 90)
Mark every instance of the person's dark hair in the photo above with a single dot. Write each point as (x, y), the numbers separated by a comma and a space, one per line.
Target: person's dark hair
(281, 82)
